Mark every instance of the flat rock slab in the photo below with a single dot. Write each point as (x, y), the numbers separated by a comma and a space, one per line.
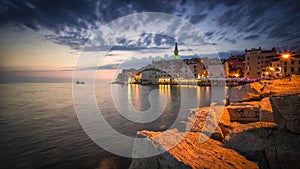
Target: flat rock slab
(244, 112)
(190, 152)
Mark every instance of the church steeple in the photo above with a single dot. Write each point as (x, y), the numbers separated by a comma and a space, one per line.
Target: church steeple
(176, 51)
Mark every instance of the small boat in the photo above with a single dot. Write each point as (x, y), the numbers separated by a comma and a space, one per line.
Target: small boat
(78, 82)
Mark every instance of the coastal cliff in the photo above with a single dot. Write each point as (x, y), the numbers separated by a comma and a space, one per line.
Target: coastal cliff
(259, 128)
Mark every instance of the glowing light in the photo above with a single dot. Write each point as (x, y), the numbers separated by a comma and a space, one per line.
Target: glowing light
(236, 75)
(285, 56)
(271, 68)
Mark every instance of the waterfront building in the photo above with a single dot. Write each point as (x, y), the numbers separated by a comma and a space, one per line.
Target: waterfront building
(126, 76)
(196, 68)
(283, 67)
(256, 59)
(180, 69)
(234, 66)
(214, 68)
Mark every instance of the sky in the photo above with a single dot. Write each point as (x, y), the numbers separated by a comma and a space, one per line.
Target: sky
(44, 40)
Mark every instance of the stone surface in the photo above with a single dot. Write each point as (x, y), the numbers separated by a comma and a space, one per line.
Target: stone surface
(265, 110)
(244, 112)
(264, 142)
(190, 152)
(281, 86)
(286, 109)
(266, 88)
(206, 120)
(245, 92)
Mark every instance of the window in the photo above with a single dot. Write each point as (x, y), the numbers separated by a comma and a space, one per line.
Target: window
(257, 67)
(247, 63)
(285, 62)
(292, 62)
(258, 73)
(258, 62)
(292, 70)
(258, 57)
(247, 73)
(194, 66)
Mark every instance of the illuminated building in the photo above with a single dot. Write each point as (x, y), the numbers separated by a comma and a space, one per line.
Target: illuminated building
(256, 59)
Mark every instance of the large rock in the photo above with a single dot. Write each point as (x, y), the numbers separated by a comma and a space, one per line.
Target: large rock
(265, 110)
(264, 142)
(244, 112)
(281, 86)
(246, 92)
(257, 90)
(190, 152)
(251, 111)
(286, 109)
(208, 120)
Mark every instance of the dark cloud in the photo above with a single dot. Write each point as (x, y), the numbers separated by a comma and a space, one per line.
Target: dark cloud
(232, 41)
(251, 37)
(69, 22)
(209, 34)
(198, 18)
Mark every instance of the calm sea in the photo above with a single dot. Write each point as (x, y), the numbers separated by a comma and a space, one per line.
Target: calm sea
(40, 129)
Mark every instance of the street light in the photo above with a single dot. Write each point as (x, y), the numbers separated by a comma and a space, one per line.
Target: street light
(285, 57)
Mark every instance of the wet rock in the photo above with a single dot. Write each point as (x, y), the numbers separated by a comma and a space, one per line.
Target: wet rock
(286, 109)
(194, 150)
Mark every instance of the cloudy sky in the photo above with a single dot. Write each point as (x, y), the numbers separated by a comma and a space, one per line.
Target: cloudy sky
(41, 40)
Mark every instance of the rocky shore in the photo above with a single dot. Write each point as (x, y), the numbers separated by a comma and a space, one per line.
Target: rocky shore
(258, 128)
